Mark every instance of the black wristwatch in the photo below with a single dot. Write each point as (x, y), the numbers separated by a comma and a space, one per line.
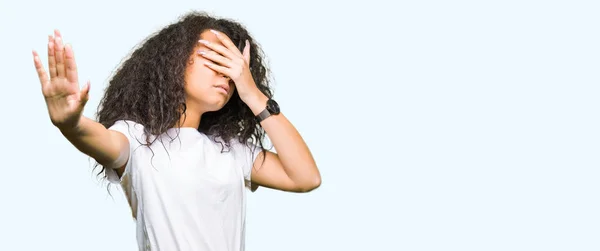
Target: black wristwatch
(271, 109)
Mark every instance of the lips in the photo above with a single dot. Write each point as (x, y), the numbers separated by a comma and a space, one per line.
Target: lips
(222, 88)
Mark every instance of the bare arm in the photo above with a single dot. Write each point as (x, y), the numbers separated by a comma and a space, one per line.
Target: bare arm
(65, 103)
(107, 147)
(293, 167)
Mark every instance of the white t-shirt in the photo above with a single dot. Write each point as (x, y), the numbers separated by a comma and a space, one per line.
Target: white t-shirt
(184, 193)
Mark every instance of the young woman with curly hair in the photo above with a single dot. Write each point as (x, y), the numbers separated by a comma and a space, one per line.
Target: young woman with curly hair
(180, 128)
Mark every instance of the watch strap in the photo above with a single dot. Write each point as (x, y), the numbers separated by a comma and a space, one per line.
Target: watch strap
(263, 115)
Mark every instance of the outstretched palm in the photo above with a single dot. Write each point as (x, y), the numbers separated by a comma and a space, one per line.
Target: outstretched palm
(61, 91)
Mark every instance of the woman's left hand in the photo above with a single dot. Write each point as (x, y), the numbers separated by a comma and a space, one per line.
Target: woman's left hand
(227, 59)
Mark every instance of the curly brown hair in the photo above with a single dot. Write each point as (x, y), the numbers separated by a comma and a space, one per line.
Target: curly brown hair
(148, 87)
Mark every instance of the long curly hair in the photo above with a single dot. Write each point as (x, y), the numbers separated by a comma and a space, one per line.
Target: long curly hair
(148, 87)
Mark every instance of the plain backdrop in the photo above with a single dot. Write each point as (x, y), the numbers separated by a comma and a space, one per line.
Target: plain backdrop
(437, 125)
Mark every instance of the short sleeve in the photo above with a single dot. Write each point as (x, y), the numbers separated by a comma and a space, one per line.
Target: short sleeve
(132, 132)
(245, 156)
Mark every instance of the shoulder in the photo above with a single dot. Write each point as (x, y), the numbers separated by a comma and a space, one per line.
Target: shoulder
(242, 146)
(245, 151)
(132, 130)
(126, 124)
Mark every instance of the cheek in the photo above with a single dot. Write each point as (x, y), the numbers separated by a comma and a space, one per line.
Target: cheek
(201, 70)
(232, 88)
(199, 75)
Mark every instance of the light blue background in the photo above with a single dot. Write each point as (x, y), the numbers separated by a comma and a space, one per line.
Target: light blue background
(437, 125)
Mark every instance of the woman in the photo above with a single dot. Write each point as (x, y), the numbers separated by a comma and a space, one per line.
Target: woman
(180, 128)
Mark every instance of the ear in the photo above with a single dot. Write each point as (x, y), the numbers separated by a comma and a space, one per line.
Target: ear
(246, 52)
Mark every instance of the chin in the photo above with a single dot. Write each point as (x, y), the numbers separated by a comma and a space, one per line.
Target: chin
(216, 105)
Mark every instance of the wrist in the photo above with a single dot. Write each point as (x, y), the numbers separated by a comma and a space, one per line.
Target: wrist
(72, 130)
(256, 102)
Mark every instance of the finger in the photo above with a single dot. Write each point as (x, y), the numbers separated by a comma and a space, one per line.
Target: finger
(39, 67)
(84, 93)
(215, 57)
(247, 52)
(219, 49)
(71, 66)
(51, 58)
(59, 55)
(219, 69)
(225, 40)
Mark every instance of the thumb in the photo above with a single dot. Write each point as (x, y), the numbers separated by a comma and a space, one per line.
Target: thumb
(84, 93)
(246, 52)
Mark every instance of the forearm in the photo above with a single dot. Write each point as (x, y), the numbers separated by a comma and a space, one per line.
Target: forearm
(94, 140)
(292, 151)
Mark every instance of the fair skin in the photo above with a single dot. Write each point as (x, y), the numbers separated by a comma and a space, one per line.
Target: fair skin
(208, 88)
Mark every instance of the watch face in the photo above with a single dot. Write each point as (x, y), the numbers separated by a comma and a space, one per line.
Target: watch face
(273, 107)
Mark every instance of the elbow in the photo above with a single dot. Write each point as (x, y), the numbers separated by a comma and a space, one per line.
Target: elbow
(312, 184)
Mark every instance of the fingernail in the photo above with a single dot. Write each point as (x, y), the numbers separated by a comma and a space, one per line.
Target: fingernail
(202, 52)
(203, 41)
(215, 32)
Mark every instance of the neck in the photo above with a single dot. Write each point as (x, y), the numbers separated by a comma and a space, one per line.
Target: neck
(191, 118)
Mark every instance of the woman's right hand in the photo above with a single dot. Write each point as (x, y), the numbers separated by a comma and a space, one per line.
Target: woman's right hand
(61, 91)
